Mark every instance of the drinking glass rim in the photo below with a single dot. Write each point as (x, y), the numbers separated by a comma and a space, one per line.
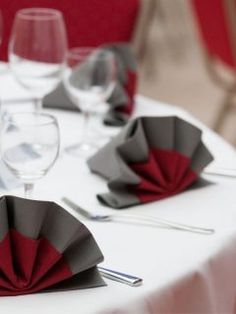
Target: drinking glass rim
(31, 13)
(9, 119)
(79, 53)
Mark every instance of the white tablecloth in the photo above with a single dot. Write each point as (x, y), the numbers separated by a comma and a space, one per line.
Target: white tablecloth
(182, 272)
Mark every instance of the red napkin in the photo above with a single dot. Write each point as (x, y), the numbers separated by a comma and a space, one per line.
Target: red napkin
(152, 158)
(165, 173)
(121, 101)
(44, 247)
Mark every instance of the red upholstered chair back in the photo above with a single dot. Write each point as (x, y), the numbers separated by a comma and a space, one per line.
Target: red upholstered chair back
(217, 25)
(88, 22)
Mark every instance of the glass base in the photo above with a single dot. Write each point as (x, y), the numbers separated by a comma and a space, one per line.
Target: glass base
(81, 150)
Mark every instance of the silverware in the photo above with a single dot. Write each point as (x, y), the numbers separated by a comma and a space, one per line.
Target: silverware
(143, 219)
(120, 277)
(224, 172)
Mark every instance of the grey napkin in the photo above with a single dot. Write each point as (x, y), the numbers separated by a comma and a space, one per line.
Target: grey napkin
(58, 99)
(120, 97)
(150, 159)
(43, 247)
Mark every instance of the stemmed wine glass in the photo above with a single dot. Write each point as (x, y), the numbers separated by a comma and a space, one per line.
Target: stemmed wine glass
(29, 146)
(89, 79)
(37, 50)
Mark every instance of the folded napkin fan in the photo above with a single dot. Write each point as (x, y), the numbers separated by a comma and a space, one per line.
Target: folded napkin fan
(122, 98)
(150, 159)
(43, 247)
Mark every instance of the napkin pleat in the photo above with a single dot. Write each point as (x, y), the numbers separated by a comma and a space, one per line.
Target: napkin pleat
(189, 178)
(151, 171)
(135, 147)
(186, 138)
(182, 166)
(80, 262)
(47, 259)
(166, 161)
(5, 284)
(149, 188)
(146, 186)
(127, 176)
(6, 259)
(41, 246)
(109, 167)
(159, 132)
(153, 158)
(185, 174)
(24, 254)
(201, 156)
(58, 273)
(175, 166)
(33, 263)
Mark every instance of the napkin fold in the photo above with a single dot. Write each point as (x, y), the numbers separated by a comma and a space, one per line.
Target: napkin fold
(43, 247)
(121, 100)
(150, 159)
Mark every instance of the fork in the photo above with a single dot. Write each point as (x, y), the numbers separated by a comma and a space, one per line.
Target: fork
(221, 171)
(124, 217)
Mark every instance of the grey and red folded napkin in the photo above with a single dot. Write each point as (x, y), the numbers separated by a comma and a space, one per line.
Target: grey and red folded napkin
(43, 247)
(150, 159)
(121, 100)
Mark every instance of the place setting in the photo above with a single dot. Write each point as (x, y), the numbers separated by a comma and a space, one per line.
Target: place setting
(30, 141)
(75, 119)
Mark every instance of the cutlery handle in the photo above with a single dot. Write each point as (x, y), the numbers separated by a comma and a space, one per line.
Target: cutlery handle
(120, 277)
(223, 172)
(167, 223)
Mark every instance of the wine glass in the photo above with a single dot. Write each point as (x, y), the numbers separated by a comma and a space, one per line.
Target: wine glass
(89, 80)
(29, 146)
(37, 50)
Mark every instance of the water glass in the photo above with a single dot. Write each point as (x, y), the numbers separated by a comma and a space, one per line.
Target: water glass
(37, 50)
(89, 79)
(29, 146)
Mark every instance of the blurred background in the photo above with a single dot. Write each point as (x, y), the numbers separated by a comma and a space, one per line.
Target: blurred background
(175, 71)
(186, 49)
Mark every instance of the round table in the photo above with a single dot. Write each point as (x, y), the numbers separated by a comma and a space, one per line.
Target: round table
(182, 272)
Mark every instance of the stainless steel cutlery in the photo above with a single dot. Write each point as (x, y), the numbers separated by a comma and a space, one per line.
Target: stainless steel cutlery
(136, 218)
(120, 277)
(221, 171)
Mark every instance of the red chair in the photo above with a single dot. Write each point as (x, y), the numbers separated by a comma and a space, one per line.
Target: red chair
(90, 22)
(217, 26)
(93, 23)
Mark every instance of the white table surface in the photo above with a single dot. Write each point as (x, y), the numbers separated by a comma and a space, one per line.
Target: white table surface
(182, 272)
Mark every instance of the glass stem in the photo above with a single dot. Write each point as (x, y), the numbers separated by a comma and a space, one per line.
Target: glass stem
(28, 187)
(38, 104)
(85, 131)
